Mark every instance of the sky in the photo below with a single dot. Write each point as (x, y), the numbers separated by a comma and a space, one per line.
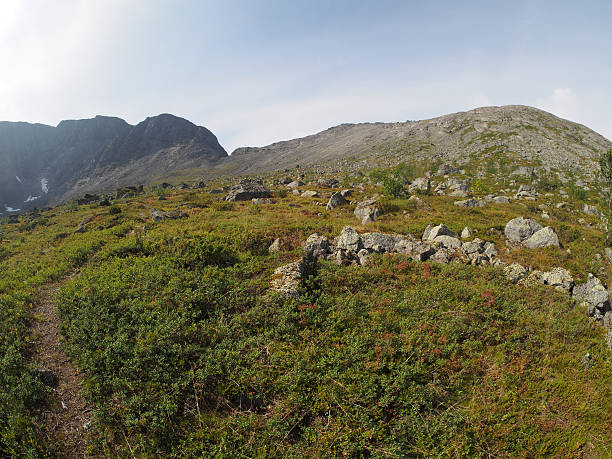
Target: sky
(256, 72)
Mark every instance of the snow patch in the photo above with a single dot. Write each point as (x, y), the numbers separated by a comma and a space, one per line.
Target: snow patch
(18, 179)
(44, 185)
(10, 209)
(31, 198)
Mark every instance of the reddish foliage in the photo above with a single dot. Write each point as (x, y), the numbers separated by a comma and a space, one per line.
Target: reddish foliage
(427, 271)
(488, 297)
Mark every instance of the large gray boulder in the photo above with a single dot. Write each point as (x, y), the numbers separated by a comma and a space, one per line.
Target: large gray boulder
(519, 229)
(336, 200)
(246, 190)
(448, 242)
(546, 237)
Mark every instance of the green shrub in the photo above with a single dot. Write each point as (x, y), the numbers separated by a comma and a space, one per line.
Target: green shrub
(114, 210)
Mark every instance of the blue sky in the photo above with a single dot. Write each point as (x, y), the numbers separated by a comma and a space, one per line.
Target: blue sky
(255, 72)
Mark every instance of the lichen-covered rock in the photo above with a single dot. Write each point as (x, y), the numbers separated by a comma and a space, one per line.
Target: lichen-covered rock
(546, 237)
(594, 296)
(310, 194)
(526, 191)
(519, 229)
(559, 278)
(275, 247)
(336, 200)
(317, 245)
(420, 184)
(515, 272)
(287, 278)
(348, 240)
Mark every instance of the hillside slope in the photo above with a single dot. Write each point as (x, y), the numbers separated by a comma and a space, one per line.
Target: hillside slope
(529, 133)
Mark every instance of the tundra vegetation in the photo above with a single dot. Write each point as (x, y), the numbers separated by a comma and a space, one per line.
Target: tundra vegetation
(186, 352)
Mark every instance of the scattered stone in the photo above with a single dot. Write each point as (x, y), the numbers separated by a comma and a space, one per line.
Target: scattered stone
(515, 272)
(329, 183)
(336, 200)
(260, 201)
(546, 237)
(310, 194)
(346, 193)
(275, 247)
(501, 200)
(466, 233)
(587, 360)
(519, 229)
(366, 211)
(246, 190)
(471, 203)
(590, 210)
(286, 279)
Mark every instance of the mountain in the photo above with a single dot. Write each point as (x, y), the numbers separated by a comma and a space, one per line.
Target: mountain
(528, 133)
(42, 164)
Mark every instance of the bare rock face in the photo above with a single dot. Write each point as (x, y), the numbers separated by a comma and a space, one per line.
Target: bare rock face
(247, 190)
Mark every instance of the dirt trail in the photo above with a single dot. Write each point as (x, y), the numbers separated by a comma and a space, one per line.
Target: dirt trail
(69, 412)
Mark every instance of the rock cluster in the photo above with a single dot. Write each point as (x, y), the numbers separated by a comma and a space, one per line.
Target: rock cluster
(159, 215)
(438, 244)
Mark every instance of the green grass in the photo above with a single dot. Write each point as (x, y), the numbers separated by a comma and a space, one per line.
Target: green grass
(186, 353)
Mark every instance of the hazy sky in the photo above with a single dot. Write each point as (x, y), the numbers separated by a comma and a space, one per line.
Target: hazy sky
(255, 72)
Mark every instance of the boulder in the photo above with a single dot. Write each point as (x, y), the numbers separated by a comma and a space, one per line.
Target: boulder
(448, 242)
(348, 240)
(295, 184)
(546, 237)
(317, 246)
(379, 242)
(286, 279)
(594, 296)
(590, 210)
(471, 203)
(500, 200)
(246, 190)
(515, 272)
(466, 233)
(420, 184)
(441, 230)
(275, 247)
(526, 191)
(329, 183)
(559, 278)
(447, 169)
(366, 211)
(310, 194)
(336, 200)
(519, 229)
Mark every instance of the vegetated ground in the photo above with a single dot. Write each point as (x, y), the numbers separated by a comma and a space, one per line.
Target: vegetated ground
(185, 352)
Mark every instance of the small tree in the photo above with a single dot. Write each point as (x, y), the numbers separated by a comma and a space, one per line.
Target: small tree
(605, 171)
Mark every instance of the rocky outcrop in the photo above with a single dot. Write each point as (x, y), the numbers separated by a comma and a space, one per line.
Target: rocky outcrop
(520, 229)
(336, 200)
